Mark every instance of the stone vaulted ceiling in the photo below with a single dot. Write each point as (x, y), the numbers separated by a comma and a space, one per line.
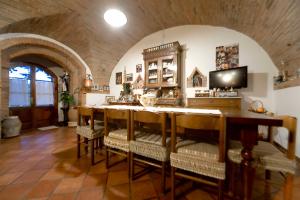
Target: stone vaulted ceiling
(79, 24)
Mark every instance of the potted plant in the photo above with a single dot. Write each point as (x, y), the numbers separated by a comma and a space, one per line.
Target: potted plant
(67, 100)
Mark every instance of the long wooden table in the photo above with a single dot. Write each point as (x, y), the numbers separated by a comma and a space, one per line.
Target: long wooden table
(241, 124)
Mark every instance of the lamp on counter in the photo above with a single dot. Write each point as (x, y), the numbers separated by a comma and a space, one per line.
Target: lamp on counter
(88, 81)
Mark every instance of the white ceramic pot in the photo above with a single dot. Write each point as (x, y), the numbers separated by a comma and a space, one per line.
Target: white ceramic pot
(11, 126)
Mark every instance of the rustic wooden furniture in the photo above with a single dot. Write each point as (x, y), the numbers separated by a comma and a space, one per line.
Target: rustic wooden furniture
(89, 131)
(215, 102)
(149, 143)
(198, 157)
(269, 157)
(240, 124)
(117, 133)
(163, 70)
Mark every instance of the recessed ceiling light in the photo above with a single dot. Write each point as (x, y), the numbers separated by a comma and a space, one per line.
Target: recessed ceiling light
(115, 18)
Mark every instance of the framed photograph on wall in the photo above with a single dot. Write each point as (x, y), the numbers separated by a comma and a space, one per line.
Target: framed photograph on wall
(227, 56)
(119, 78)
(129, 77)
(138, 68)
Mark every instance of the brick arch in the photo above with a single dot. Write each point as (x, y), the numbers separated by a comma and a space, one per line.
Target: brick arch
(13, 45)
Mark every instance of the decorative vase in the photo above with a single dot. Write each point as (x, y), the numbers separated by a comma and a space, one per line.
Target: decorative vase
(11, 126)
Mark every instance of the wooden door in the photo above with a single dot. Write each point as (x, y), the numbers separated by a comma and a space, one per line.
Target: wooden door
(41, 109)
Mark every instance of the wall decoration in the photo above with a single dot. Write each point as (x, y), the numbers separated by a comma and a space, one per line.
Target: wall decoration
(109, 99)
(138, 68)
(118, 78)
(138, 83)
(196, 79)
(129, 77)
(227, 57)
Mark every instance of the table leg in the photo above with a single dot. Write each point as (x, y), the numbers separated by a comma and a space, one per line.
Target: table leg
(249, 137)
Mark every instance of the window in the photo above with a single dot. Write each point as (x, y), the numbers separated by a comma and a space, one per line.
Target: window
(20, 80)
(19, 90)
(44, 88)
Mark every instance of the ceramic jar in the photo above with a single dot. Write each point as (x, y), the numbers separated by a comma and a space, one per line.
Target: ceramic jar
(11, 126)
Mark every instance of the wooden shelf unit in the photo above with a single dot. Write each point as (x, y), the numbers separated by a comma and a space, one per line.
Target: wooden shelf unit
(163, 65)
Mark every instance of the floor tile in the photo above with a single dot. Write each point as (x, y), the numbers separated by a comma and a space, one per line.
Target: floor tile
(43, 189)
(147, 188)
(93, 194)
(8, 178)
(117, 177)
(69, 185)
(15, 191)
(117, 192)
(94, 181)
(69, 196)
(30, 176)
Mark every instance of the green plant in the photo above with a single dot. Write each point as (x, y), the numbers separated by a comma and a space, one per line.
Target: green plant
(66, 98)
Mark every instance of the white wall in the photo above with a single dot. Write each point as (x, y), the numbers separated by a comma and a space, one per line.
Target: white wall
(287, 102)
(199, 43)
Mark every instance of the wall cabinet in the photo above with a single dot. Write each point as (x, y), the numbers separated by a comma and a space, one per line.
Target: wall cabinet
(162, 65)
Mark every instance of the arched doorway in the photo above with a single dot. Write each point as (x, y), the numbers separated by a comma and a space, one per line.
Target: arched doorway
(33, 95)
(21, 44)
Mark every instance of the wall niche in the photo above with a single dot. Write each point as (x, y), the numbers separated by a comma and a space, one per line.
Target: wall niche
(196, 79)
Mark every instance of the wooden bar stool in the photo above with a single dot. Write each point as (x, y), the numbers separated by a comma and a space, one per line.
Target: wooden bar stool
(191, 158)
(149, 143)
(117, 134)
(269, 157)
(90, 131)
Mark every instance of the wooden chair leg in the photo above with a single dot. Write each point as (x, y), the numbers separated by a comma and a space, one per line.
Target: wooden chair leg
(93, 151)
(106, 157)
(163, 177)
(288, 188)
(173, 183)
(232, 182)
(131, 168)
(267, 174)
(220, 188)
(129, 164)
(78, 146)
(86, 145)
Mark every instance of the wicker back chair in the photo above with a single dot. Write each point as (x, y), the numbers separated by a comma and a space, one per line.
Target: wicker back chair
(117, 133)
(149, 143)
(269, 157)
(191, 158)
(90, 131)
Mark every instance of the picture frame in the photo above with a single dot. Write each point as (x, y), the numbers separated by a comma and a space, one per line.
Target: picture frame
(118, 78)
(227, 56)
(109, 99)
(129, 77)
(139, 68)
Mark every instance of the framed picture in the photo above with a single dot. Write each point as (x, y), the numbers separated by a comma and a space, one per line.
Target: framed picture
(119, 78)
(227, 56)
(138, 68)
(129, 77)
(109, 99)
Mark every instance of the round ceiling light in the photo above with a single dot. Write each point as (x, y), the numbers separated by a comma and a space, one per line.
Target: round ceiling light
(115, 18)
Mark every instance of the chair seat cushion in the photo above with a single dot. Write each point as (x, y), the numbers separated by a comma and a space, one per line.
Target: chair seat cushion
(118, 134)
(117, 139)
(150, 145)
(266, 156)
(87, 132)
(200, 158)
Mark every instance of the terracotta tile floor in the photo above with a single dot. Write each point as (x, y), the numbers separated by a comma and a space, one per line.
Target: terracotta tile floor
(43, 165)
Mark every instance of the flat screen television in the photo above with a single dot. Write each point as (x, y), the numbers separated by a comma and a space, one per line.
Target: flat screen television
(229, 78)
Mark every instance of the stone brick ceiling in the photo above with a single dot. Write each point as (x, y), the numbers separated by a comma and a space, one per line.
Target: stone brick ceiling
(79, 24)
